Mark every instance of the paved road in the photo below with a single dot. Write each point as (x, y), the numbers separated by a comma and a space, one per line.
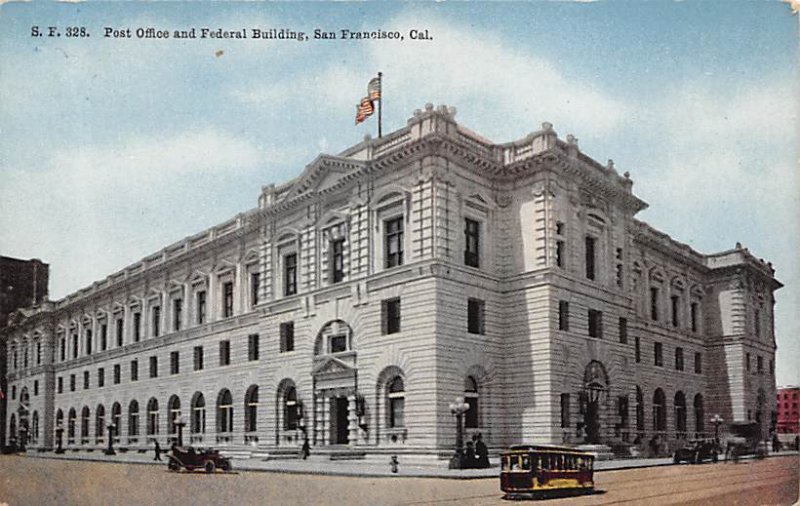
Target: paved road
(31, 481)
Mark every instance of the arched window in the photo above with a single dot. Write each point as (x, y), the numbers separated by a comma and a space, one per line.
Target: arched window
(198, 413)
(225, 412)
(152, 417)
(659, 411)
(699, 415)
(680, 413)
(84, 424)
(290, 409)
(59, 419)
(99, 421)
(133, 419)
(35, 428)
(395, 402)
(251, 409)
(71, 421)
(471, 418)
(174, 414)
(639, 410)
(116, 418)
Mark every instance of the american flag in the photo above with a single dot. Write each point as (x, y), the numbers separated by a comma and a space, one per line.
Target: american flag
(364, 110)
(374, 88)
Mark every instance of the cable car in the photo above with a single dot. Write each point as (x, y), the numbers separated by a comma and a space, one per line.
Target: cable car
(538, 471)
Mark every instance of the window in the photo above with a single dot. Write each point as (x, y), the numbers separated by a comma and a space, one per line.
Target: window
(638, 350)
(472, 236)
(693, 314)
(201, 307)
(659, 354)
(227, 299)
(390, 316)
(659, 411)
(177, 314)
(679, 359)
(13, 392)
(291, 409)
(119, 326)
(88, 345)
(337, 260)
(623, 411)
(152, 417)
(224, 353)
(595, 323)
(60, 385)
(771, 367)
(63, 348)
(619, 269)
(36, 387)
(137, 327)
(393, 242)
(471, 418)
(156, 323)
(290, 274)
(74, 349)
(757, 322)
(590, 256)
(134, 370)
(85, 380)
(252, 347)
(225, 412)
(198, 414)
(747, 362)
(101, 377)
(117, 374)
(287, 336)
(563, 315)
(680, 412)
(654, 303)
(255, 284)
(173, 414)
(699, 418)
(476, 317)
(698, 362)
(251, 409)
(154, 367)
(103, 337)
(623, 330)
(675, 310)
(396, 403)
(565, 410)
(760, 364)
(198, 358)
(174, 362)
(560, 245)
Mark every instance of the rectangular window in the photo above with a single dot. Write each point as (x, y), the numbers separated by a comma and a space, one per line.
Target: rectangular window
(560, 253)
(693, 310)
(595, 323)
(390, 316)
(60, 385)
(224, 353)
(654, 303)
(36, 387)
(675, 310)
(137, 327)
(134, 370)
(679, 359)
(563, 315)
(658, 350)
(638, 350)
(120, 326)
(623, 411)
(287, 336)
(619, 270)
(201, 307)
(13, 392)
(393, 242)
(747, 362)
(337, 260)
(117, 374)
(757, 322)
(174, 362)
(564, 410)
(101, 377)
(74, 349)
(472, 238)
(476, 316)
(590, 256)
(154, 367)
(177, 314)
(156, 317)
(760, 364)
(103, 336)
(698, 362)
(252, 347)
(227, 299)
(63, 348)
(88, 343)
(198, 358)
(86, 380)
(623, 330)
(771, 367)
(255, 284)
(290, 274)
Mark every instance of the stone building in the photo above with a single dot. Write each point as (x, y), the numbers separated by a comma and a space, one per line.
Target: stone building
(355, 302)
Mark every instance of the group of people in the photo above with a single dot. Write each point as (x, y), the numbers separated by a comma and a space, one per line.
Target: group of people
(476, 455)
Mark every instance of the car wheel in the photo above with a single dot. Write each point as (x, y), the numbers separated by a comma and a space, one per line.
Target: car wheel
(210, 466)
(714, 457)
(676, 459)
(173, 466)
(225, 466)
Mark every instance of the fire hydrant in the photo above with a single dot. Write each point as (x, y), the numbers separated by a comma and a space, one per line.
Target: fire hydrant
(393, 463)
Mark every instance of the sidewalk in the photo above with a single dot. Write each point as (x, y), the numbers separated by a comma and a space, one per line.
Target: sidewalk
(321, 465)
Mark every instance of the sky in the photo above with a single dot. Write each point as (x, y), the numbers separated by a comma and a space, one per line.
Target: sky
(112, 148)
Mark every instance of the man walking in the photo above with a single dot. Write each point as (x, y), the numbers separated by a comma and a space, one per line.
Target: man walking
(158, 451)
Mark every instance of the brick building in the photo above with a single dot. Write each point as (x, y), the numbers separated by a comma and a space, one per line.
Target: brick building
(788, 419)
(355, 302)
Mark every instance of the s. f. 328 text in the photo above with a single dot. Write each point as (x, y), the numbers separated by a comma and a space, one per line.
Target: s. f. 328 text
(53, 31)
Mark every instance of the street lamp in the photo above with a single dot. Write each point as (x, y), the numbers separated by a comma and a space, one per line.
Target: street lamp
(110, 449)
(59, 438)
(717, 421)
(458, 408)
(180, 423)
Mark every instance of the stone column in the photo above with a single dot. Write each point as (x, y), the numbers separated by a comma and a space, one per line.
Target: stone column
(352, 420)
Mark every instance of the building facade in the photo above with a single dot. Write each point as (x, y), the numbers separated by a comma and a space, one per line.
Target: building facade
(357, 301)
(788, 418)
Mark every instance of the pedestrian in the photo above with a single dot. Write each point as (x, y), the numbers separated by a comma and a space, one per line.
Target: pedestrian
(654, 446)
(481, 452)
(158, 451)
(469, 457)
(306, 450)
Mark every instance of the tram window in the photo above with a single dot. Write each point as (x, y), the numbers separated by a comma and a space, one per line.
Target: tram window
(526, 462)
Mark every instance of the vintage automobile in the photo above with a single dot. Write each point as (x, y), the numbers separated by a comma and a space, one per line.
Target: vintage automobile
(191, 458)
(745, 439)
(696, 451)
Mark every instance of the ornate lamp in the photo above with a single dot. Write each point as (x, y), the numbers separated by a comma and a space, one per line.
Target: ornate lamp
(457, 409)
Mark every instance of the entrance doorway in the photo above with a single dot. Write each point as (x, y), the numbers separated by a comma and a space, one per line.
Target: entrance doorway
(339, 421)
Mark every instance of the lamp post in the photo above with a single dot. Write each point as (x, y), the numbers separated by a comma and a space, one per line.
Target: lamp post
(458, 408)
(180, 423)
(717, 421)
(110, 449)
(59, 438)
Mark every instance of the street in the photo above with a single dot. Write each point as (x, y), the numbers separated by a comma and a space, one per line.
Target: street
(35, 481)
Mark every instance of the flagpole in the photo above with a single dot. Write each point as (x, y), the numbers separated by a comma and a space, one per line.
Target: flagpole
(380, 105)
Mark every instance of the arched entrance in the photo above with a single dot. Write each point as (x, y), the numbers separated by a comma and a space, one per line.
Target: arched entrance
(335, 385)
(595, 388)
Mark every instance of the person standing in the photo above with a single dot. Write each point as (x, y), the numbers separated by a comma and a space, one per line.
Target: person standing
(158, 451)
(481, 452)
(306, 450)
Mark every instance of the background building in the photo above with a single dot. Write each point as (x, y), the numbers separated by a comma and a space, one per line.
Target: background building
(359, 299)
(788, 419)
